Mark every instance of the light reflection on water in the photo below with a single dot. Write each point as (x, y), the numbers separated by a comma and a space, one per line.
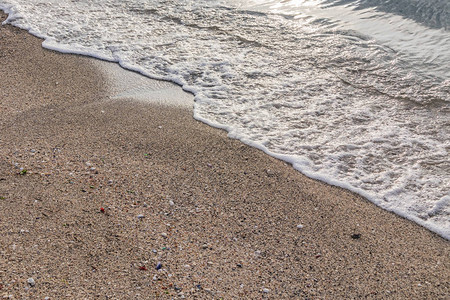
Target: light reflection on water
(426, 47)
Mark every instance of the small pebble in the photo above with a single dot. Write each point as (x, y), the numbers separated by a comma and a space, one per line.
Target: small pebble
(140, 216)
(299, 226)
(270, 172)
(155, 278)
(171, 203)
(158, 266)
(164, 234)
(31, 282)
(265, 290)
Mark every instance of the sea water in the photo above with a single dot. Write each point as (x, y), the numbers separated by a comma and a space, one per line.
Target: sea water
(354, 93)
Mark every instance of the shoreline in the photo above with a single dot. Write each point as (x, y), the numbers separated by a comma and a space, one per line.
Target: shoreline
(222, 225)
(156, 95)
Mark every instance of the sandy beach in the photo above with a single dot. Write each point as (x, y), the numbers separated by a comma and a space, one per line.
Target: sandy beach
(106, 196)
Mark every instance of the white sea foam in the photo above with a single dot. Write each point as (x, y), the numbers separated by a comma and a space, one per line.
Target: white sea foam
(341, 105)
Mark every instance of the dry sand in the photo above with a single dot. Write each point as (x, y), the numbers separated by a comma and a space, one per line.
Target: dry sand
(219, 216)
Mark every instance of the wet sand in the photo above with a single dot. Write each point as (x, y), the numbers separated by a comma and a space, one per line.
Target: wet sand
(98, 186)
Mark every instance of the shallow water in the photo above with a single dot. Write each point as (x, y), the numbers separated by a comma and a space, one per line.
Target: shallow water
(351, 92)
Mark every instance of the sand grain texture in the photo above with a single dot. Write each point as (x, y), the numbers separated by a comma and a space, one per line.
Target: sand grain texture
(219, 216)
